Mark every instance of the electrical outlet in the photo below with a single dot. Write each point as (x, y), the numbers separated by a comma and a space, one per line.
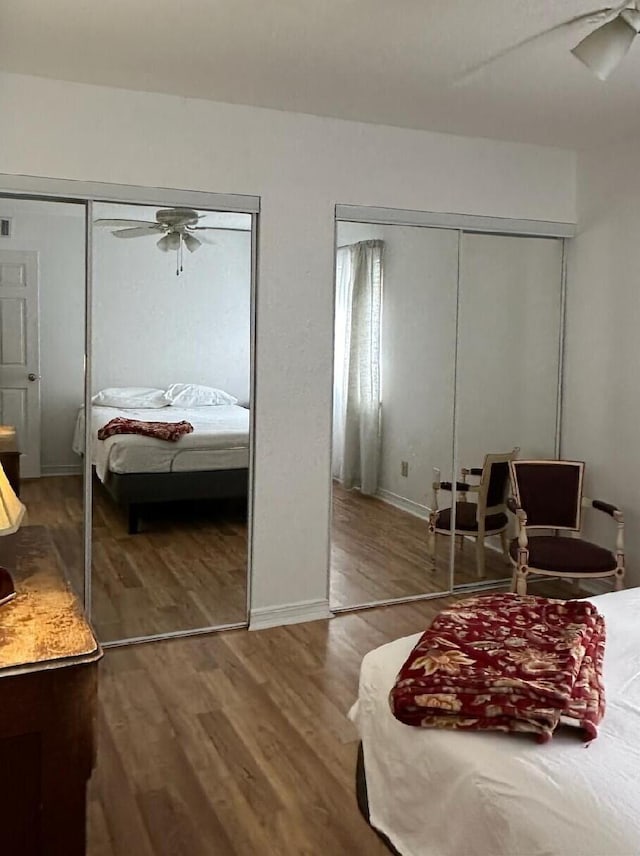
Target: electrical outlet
(404, 468)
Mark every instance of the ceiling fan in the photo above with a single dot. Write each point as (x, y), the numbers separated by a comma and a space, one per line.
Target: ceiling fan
(602, 50)
(175, 225)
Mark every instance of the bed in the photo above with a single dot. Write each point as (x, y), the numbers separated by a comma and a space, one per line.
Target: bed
(210, 463)
(432, 792)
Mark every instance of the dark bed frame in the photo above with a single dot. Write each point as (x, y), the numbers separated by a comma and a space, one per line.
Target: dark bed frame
(363, 800)
(135, 490)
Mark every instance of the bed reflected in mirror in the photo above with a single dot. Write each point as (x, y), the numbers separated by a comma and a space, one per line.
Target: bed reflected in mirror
(170, 419)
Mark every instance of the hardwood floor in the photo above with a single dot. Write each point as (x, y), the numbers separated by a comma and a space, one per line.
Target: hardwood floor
(186, 569)
(238, 743)
(379, 552)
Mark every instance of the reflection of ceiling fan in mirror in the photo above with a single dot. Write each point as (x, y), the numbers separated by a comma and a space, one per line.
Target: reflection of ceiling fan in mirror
(175, 225)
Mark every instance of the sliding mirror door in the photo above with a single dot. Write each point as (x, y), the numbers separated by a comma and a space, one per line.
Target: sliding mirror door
(510, 308)
(170, 420)
(42, 348)
(394, 369)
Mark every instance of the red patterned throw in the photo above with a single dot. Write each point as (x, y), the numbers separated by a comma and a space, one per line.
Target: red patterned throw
(506, 662)
(171, 431)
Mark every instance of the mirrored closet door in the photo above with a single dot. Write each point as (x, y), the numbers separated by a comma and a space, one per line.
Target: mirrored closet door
(394, 369)
(507, 391)
(169, 418)
(447, 352)
(42, 351)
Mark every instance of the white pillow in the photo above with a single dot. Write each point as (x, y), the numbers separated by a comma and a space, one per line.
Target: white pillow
(131, 397)
(194, 395)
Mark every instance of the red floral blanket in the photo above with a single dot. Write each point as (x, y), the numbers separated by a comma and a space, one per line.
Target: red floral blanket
(171, 431)
(506, 662)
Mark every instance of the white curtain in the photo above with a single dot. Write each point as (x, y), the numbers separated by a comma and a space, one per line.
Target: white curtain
(356, 382)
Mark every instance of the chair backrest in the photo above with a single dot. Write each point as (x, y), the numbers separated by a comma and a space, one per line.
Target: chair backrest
(549, 492)
(494, 482)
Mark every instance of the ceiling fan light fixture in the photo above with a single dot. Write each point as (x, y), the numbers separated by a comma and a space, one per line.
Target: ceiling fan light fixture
(191, 242)
(170, 241)
(603, 50)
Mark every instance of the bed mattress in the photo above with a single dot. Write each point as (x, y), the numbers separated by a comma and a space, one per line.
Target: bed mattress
(442, 793)
(220, 441)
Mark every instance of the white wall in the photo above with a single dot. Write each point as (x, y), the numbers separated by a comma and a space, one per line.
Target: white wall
(602, 398)
(153, 328)
(301, 166)
(56, 232)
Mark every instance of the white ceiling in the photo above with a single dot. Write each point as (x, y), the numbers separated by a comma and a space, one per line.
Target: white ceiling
(387, 61)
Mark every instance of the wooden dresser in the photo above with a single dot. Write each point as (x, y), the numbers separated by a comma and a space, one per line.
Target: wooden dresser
(48, 685)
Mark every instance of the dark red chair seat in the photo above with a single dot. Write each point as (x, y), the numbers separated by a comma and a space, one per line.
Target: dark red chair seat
(568, 555)
(466, 519)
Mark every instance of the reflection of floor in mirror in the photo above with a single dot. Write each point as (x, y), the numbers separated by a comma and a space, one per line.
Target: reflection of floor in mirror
(185, 569)
(379, 552)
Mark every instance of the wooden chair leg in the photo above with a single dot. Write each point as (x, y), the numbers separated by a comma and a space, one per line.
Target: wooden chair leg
(431, 544)
(519, 584)
(480, 557)
(504, 542)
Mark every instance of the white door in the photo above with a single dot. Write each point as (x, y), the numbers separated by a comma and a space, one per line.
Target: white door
(20, 354)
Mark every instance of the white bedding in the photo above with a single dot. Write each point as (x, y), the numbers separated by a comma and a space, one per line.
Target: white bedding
(443, 793)
(220, 441)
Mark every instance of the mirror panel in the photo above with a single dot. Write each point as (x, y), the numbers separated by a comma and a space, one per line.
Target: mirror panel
(394, 356)
(508, 363)
(171, 306)
(42, 346)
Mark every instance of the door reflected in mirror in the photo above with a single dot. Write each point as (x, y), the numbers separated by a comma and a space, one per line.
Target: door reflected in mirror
(394, 361)
(42, 303)
(170, 420)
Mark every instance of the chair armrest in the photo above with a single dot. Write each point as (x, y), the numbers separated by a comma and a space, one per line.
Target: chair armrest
(606, 507)
(471, 471)
(463, 487)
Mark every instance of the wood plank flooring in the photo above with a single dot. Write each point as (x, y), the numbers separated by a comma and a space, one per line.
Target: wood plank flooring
(379, 552)
(238, 743)
(186, 569)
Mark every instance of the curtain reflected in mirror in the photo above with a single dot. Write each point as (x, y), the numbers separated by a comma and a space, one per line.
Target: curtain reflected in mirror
(170, 420)
(394, 359)
(42, 298)
(507, 383)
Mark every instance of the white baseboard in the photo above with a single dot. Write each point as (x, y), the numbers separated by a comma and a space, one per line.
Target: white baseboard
(61, 470)
(289, 613)
(408, 505)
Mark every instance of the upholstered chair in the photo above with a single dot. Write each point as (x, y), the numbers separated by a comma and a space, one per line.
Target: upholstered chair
(547, 495)
(487, 515)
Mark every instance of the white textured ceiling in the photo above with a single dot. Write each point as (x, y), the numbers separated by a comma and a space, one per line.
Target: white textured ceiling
(387, 61)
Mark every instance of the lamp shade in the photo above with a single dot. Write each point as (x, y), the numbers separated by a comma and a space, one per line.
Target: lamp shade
(171, 241)
(605, 48)
(11, 509)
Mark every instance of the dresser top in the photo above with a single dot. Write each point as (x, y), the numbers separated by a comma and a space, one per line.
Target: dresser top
(44, 627)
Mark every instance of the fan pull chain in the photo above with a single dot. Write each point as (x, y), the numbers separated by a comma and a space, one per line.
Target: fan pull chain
(179, 267)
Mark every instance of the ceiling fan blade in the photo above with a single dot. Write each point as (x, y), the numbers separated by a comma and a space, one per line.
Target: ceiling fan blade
(138, 232)
(109, 222)
(601, 16)
(191, 242)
